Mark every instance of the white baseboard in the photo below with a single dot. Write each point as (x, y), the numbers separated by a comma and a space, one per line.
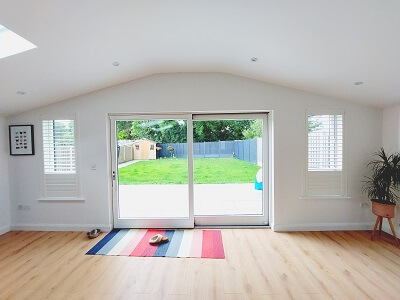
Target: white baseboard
(275, 227)
(60, 227)
(323, 226)
(4, 229)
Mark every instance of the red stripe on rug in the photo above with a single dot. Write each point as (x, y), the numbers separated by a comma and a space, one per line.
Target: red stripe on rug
(151, 249)
(218, 245)
(208, 240)
(141, 248)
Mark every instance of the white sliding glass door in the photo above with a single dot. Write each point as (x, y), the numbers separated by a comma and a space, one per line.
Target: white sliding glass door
(175, 171)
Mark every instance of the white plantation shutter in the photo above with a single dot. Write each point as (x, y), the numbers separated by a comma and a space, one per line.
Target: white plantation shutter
(59, 159)
(325, 155)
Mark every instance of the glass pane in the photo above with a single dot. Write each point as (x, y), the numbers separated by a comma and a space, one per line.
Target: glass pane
(228, 177)
(152, 169)
(325, 142)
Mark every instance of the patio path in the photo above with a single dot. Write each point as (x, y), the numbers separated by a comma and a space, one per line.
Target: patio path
(170, 200)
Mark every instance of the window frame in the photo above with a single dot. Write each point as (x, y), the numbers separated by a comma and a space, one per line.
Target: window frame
(344, 191)
(44, 196)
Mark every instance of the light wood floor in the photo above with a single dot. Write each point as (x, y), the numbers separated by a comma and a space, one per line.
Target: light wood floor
(260, 264)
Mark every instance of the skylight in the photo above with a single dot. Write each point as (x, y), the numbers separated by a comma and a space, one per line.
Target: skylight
(11, 43)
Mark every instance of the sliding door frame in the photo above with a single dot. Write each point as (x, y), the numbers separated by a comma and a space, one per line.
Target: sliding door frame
(251, 219)
(150, 222)
(235, 220)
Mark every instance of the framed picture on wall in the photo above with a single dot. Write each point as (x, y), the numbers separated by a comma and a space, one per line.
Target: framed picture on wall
(21, 140)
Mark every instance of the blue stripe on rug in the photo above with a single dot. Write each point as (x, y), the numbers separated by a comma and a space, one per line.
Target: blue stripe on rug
(175, 243)
(104, 241)
(163, 248)
(115, 240)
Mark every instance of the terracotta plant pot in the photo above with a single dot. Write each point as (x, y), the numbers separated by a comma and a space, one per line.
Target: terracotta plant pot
(383, 209)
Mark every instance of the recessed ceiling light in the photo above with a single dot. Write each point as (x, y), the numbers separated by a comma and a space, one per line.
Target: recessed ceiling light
(115, 64)
(358, 83)
(11, 43)
(21, 93)
(254, 59)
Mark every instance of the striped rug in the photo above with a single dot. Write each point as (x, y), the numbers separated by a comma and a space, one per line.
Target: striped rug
(182, 243)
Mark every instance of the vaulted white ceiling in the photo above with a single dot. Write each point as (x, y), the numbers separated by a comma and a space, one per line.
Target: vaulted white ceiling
(321, 46)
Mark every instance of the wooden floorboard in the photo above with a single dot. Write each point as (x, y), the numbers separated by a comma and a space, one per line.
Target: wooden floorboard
(259, 264)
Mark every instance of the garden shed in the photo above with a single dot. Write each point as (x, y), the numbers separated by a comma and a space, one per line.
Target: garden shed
(144, 149)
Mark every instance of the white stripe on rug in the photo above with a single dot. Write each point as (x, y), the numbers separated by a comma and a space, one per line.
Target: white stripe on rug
(186, 244)
(116, 250)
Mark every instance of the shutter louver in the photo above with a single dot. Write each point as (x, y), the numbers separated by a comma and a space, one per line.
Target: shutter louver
(59, 158)
(325, 155)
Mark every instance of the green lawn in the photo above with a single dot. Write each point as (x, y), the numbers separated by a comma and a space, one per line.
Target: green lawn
(174, 171)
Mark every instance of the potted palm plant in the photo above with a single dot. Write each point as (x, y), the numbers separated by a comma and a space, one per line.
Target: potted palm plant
(383, 184)
(382, 187)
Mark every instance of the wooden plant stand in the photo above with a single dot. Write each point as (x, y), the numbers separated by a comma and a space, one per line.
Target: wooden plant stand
(379, 220)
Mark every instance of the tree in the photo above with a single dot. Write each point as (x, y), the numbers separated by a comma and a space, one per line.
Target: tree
(254, 131)
(124, 130)
(175, 131)
(160, 131)
(219, 130)
(122, 135)
(313, 125)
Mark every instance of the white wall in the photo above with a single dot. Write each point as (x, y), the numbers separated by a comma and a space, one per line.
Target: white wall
(391, 129)
(391, 143)
(5, 213)
(200, 92)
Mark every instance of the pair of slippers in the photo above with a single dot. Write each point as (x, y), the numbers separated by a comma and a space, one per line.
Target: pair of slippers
(158, 239)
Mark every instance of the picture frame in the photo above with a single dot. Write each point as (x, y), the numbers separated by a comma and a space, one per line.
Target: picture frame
(21, 138)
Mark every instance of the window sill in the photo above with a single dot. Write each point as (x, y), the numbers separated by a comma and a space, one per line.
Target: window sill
(61, 199)
(324, 197)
